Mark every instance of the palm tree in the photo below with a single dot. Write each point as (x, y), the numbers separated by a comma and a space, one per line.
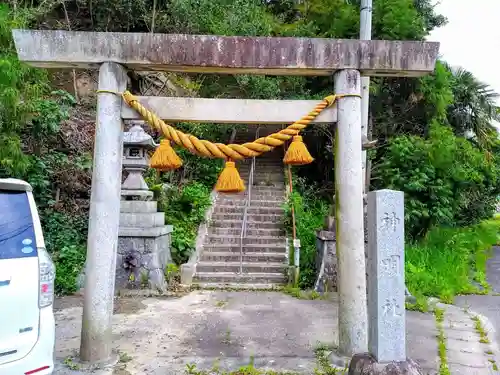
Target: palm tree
(474, 110)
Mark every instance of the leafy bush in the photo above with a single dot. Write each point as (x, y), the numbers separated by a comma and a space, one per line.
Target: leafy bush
(446, 260)
(65, 238)
(200, 169)
(184, 208)
(446, 180)
(309, 217)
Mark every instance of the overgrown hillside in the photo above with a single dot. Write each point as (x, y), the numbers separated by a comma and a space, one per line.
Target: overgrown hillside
(46, 118)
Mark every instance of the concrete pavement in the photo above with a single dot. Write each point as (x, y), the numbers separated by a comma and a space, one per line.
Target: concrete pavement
(230, 329)
(488, 305)
(276, 331)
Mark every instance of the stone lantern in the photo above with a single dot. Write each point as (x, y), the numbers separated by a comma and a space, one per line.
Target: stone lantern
(136, 147)
(143, 239)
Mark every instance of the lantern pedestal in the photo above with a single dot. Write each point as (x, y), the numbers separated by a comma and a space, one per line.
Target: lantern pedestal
(143, 240)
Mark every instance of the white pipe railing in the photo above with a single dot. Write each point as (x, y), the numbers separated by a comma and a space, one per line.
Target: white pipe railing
(248, 199)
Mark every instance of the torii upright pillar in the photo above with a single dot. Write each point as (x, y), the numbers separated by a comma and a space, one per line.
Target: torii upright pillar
(353, 321)
(104, 217)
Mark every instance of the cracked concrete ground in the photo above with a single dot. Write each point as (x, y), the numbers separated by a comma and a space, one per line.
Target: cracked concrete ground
(487, 305)
(205, 327)
(465, 353)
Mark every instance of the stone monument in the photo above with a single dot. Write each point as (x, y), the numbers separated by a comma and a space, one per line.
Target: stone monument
(326, 261)
(326, 256)
(386, 289)
(143, 238)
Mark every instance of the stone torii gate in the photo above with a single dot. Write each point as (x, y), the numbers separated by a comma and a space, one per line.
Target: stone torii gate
(114, 53)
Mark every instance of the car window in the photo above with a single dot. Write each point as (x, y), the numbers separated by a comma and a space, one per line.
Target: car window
(17, 234)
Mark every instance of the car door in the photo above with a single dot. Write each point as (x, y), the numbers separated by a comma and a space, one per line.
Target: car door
(19, 276)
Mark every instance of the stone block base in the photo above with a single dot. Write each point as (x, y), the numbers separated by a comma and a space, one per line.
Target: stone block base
(141, 262)
(365, 364)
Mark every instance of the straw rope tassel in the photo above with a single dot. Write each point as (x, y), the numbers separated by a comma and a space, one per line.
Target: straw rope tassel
(165, 158)
(297, 153)
(229, 180)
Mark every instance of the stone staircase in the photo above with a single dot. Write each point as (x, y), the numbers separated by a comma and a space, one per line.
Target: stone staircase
(265, 256)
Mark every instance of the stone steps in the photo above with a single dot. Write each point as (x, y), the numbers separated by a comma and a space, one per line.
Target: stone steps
(271, 176)
(251, 218)
(262, 165)
(247, 248)
(264, 251)
(253, 203)
(263, 169)
(255, 195)
(245, 278)
(225, 209)
(258, 190)
(263, 189)
(234, 267)
(264, 181)
(277, 184)
(250, 257)
(265, 232)
(260, 161)
(275, 170)
(250, 224)
(249, 240)
(237, 286)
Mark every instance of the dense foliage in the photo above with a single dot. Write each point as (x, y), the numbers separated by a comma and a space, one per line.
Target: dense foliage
(436, 141)
(444, 263)
(447, 181)
(309, 216)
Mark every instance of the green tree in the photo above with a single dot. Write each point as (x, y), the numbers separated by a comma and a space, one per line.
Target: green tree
(446, 180)
(474, 107)
(21, 89)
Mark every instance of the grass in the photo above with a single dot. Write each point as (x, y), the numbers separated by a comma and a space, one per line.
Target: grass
(443, 360)
(227, 337)
(322, 353)
(68, 361)
(448, 260)
(303, 294)
(221, 303)
(124, 357)
(422, 304)
(245, 370)
(483, 335)
(323, 367)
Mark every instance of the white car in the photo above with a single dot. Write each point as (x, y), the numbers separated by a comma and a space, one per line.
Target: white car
(27, 327)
